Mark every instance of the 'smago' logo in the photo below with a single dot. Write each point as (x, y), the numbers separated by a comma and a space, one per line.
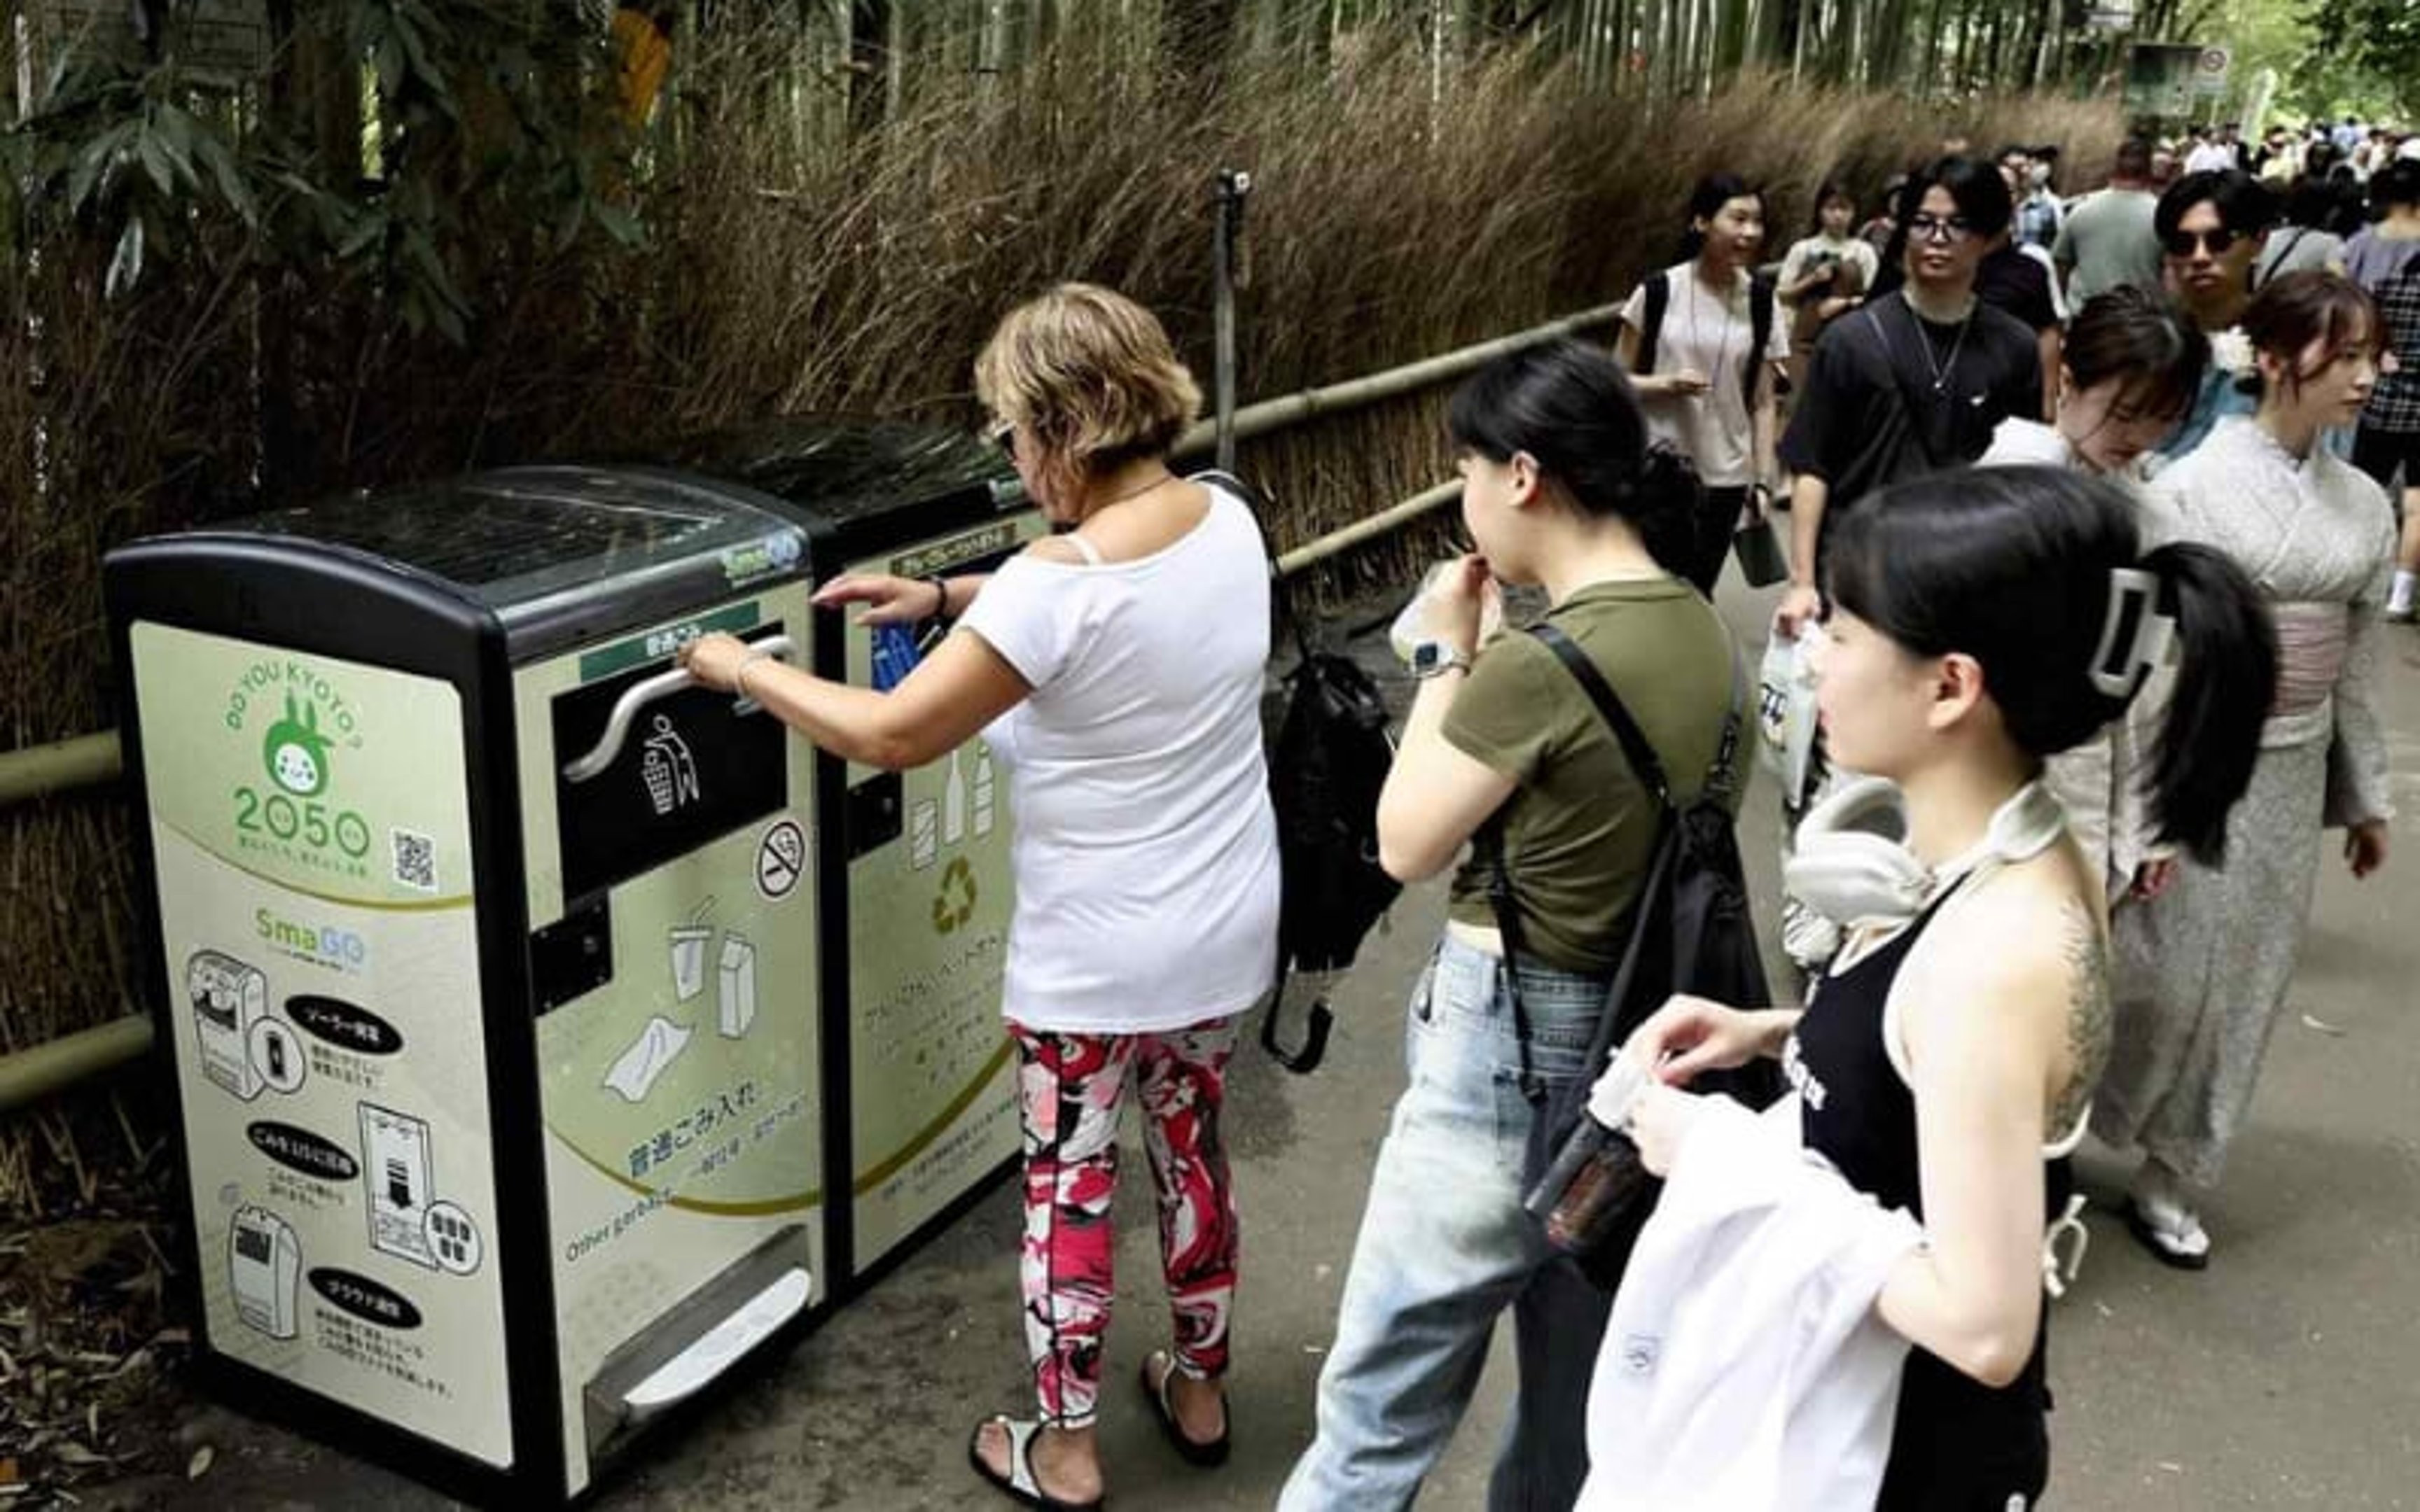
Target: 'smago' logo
(295, 752)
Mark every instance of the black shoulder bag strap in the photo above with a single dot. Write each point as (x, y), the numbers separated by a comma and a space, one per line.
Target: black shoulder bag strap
(2277, 264)
(1650, 772)
(1720, 774)
(1658, 289)
(1907, 411)
(1760, 295)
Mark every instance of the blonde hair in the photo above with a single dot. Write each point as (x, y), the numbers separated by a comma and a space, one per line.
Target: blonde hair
(1091, 377)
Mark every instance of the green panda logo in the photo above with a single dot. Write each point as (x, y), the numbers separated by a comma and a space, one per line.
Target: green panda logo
(296, 753)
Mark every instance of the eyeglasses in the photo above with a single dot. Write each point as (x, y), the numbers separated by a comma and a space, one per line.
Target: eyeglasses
(1003, 434)
(1935, 228)
(2181, 243)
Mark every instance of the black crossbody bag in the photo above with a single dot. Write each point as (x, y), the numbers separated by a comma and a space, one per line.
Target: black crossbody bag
(1691, 930)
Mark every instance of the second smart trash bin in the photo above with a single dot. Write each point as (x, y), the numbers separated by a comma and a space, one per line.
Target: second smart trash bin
(524, 998)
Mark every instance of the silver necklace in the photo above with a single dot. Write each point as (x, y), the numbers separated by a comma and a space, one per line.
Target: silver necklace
(1942, 371)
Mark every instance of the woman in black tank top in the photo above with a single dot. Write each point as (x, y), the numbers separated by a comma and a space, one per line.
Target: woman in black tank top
(1977, 623)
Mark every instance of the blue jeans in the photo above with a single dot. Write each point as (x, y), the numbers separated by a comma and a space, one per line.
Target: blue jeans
(1444, 1247)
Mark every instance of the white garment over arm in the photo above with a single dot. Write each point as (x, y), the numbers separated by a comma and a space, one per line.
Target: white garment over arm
(1744, 1368)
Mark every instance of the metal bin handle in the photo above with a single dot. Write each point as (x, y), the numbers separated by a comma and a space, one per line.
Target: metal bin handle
(663, 684)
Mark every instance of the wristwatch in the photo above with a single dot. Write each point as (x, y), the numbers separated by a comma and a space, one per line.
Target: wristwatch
(1430, 658)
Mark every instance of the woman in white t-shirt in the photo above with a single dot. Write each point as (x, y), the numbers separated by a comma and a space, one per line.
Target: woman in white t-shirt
(1689, 339)
(1115, 670)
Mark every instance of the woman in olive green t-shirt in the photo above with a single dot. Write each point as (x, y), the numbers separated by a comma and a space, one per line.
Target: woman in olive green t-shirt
(1559, 490)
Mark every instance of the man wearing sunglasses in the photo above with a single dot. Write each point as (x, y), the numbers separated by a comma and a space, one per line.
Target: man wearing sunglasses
(2211, 227)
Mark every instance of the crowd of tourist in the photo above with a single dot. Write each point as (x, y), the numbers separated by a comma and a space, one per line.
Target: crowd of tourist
(2093, 505)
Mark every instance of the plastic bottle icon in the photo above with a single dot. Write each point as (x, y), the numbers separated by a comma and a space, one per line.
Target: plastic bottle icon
(985, 813)
(894, 655)
(924, 833)
(954, 800)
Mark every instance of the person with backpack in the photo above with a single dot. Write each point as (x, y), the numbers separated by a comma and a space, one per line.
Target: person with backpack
(1115, 670)
(1561, 489)
(1980, 622)
(1700, 341)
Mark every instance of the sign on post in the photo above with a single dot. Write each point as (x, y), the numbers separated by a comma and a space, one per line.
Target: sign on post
(2159, 78)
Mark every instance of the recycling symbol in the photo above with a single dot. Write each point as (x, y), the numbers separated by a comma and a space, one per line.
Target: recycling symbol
(955, 902)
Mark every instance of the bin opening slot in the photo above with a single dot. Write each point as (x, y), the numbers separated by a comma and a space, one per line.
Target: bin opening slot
(704, 1336)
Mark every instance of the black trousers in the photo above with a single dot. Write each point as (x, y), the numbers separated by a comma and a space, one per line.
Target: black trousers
(2380, 453)
(1718, 516)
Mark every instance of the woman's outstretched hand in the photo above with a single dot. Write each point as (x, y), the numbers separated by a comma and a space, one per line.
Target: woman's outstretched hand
(888, 600)
(714, 660)
(1689, 1034)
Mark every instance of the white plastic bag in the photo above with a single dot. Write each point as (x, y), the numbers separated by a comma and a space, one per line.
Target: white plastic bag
(1785, 716)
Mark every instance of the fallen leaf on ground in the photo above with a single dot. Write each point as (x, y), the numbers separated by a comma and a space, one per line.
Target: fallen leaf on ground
(200, 1465)
(2324, 1027)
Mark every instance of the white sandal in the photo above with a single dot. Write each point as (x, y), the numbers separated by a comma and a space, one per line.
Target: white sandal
(1018, 1484)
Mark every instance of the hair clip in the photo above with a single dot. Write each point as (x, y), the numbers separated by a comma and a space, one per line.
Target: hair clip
(2135, 633)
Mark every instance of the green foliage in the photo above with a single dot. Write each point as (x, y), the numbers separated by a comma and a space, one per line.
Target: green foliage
(2370, 61)
(490, 126)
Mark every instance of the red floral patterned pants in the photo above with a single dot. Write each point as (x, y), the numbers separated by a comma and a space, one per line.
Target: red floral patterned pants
(1070, 1088)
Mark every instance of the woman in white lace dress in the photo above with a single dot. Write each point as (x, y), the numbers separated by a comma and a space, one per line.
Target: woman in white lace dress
(2201, 976)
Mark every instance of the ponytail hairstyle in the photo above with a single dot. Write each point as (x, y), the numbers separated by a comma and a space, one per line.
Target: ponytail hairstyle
(2039, 573)
(1569, 406)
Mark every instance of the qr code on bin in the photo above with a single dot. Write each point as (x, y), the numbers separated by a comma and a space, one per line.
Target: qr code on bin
(415, 861)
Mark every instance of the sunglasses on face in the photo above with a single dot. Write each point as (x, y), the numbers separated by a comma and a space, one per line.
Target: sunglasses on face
(2181, 243)
(1937, 228)
(1003, 434)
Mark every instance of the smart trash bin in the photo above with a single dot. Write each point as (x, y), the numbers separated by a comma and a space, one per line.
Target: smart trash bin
(523, 996)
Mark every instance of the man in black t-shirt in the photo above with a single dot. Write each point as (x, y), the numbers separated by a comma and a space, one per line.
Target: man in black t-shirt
(1914, 382)
(2018, 279)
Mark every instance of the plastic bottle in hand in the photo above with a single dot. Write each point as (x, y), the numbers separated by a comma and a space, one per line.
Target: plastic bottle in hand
(1411, 627)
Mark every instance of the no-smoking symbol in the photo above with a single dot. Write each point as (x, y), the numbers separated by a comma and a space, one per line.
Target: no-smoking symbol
(781, 859)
